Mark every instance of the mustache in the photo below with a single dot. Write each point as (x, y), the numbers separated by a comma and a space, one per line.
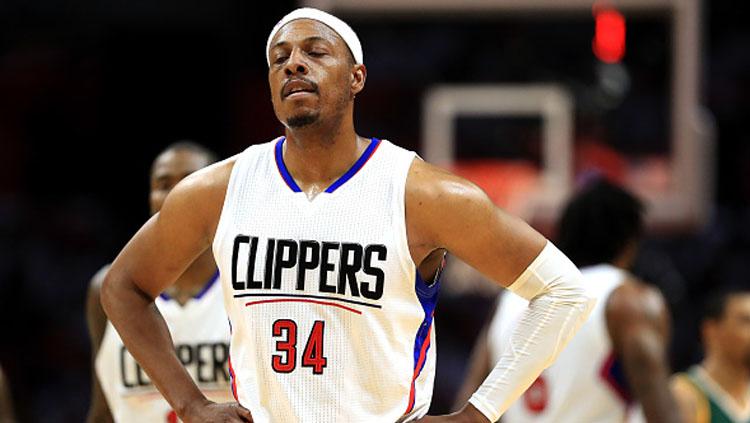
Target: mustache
(312, 84)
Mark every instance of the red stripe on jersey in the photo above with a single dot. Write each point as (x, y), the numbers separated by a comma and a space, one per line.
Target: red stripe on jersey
(418, 369)
(234, 380)
(297, 300)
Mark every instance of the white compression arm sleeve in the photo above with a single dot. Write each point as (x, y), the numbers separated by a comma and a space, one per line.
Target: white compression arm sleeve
(558, 306)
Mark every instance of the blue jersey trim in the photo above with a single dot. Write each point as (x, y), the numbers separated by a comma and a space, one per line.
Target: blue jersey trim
(203, 290)
(282, 167)
(613, 373)
(356, 167)
(428, 296)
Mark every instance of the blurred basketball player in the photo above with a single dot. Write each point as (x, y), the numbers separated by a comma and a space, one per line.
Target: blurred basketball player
(330, 246)
(718, 389)
(6, 402)
(193, 310)
(619, 356)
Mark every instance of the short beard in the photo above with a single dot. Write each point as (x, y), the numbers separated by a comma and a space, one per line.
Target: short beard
(301, 121)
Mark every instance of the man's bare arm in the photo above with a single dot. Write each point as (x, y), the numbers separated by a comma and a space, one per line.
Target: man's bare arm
(638, 324)
(444, 211)
(97, 323)
(153, 259)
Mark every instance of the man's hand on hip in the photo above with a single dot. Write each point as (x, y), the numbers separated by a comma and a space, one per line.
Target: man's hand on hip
(213, 412)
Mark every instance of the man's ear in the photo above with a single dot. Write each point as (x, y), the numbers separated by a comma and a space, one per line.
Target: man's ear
(358, 77)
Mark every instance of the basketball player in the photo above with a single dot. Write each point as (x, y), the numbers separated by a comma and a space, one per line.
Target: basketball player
(619, 356)
(6, 403)
(192, 308)
(718, 389)
(330, 246)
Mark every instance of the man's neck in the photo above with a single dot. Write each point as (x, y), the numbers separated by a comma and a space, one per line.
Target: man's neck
(733, 379)
(194, 279)
(316, 156)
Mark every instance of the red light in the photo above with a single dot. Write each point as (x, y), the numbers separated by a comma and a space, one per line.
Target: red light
(609, 36)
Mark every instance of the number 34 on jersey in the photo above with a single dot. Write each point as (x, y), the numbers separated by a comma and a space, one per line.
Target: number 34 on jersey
(286, 346)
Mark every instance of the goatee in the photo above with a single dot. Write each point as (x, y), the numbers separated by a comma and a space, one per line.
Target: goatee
(302, 120)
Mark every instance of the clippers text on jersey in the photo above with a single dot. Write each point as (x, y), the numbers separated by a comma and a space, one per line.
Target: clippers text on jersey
(340, 267)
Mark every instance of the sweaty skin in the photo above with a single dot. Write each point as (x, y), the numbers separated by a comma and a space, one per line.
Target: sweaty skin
(441, 209)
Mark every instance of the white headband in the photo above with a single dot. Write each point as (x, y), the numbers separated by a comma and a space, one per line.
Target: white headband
(340, 27)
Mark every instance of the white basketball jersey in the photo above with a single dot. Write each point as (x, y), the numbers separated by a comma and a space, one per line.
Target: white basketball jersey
(586, 384)
(201, 336)
(330, 321)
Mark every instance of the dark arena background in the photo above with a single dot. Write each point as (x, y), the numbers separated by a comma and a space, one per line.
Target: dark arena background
(528, 101)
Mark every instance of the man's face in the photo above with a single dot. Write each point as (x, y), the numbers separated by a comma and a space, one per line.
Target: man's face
(731, 334)
(312, 75)
(169, 169)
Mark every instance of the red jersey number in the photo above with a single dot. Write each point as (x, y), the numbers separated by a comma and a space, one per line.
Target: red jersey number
(286, 362)
(537, 396)
(312, 355)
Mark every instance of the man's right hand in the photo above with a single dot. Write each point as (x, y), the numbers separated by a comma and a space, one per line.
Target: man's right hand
(219, 413)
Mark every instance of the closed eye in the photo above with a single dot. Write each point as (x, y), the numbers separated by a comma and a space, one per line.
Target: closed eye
(280, 60)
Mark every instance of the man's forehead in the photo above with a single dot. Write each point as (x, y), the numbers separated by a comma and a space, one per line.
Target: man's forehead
(302, 29)
(178, 161)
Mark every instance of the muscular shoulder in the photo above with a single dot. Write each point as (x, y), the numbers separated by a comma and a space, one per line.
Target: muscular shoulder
(211, 180)
(682, 386)
(444, 211)
(427, 184)
(635, 299)
(692, 403)
(439, 203)
(197, 200)
(635, 310)
(438, 199)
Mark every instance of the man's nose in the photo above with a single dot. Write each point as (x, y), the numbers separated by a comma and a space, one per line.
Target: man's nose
(296, 63)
